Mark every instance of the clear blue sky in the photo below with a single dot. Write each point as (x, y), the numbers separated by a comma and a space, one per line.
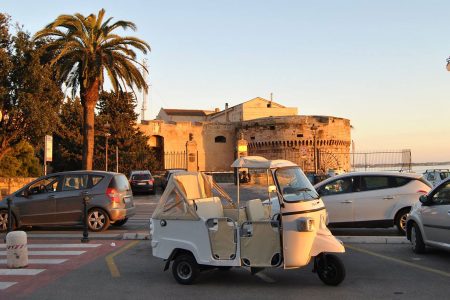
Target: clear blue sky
(380, 64)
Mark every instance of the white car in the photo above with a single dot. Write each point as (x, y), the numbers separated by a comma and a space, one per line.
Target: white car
(435, 176)
(371, 199)
(428, 224)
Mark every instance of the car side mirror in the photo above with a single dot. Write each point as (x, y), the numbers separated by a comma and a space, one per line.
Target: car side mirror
(26, 193)
(424, 199)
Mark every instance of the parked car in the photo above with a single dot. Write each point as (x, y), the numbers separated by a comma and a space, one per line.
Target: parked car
(142, 181)
(435, 176)
(167, 175)
(428, 223)
(57, 199)
(371, 199)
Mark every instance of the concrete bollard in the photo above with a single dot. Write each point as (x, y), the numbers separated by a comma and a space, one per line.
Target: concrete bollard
(16, 250)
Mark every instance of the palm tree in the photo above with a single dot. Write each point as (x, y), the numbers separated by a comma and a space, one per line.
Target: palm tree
(83, 50)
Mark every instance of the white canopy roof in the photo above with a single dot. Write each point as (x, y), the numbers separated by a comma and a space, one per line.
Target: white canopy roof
(259, 162)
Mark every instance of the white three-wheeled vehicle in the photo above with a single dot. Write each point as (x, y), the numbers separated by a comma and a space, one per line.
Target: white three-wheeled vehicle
(192, 227)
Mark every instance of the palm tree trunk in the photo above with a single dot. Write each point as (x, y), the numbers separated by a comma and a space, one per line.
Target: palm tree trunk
(90, 100)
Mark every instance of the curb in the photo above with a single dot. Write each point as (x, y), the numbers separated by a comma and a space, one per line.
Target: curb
(373, 239)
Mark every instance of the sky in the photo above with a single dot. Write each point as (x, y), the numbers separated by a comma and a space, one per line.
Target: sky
(380, 64)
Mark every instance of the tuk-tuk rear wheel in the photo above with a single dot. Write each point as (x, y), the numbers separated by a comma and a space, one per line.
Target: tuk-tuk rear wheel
(185, 269)
(330, 269)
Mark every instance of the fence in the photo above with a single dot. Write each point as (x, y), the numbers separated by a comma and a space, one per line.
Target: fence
(375, 161)
(175, 160)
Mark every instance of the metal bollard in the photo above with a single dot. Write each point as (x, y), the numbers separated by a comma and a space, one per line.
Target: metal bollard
(16, 250)
(85, 238)
(9, 202)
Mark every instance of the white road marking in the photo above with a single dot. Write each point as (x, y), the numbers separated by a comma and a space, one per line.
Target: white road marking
(40, 246)
(40, 261)
(20, 272)
(3, 253)
(6, 284)
(70, 235)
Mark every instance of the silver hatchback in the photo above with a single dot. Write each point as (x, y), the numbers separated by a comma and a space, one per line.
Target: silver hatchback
(57, 199)
(428, 223)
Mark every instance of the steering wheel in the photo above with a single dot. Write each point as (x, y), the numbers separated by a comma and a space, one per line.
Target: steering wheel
(43, 188)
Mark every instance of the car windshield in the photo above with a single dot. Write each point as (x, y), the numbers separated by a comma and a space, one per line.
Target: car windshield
(141, 177)
(444, 175)
(294, 186)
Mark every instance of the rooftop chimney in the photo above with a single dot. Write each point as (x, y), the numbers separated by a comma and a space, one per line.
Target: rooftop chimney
(226, 105)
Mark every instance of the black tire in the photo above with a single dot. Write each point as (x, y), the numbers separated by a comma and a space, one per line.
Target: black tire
(4, 221)
(120, 222)
(98, 220)
(224, 268)
(400, 220)
(331, 270)
(185, 269)
(417, 243)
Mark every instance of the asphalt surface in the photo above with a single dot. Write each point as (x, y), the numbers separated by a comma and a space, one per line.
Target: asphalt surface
(373, 272)
(121, 269)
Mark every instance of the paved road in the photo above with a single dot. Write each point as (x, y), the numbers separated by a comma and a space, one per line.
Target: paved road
(373, 272)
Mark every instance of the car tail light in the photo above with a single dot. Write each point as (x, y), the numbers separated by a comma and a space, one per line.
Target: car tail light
(422, 191)
(151, 181)
(113, 195)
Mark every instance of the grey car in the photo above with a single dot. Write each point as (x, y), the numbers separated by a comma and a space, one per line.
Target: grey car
(57, 199)
(428, 223)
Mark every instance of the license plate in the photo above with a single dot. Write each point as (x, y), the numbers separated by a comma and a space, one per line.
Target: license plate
(141, 183)
(127, 200)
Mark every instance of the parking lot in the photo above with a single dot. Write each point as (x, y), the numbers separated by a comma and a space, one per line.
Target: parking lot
(379, 266)
(373, 272)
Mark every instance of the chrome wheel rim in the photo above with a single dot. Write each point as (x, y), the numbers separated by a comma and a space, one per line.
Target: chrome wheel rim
(184, 270)
(3, 221)
(403, 222)
(96, 220)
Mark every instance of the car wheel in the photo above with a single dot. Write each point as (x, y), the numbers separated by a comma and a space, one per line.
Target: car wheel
(400, 220)
(120, 222)
(4, 221)
(98, 220)
(417, 244)
(185, 269)
(330, 269)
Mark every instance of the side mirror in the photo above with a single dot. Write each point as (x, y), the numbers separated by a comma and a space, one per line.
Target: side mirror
(26, 193)
(272, 189)
(424, 199)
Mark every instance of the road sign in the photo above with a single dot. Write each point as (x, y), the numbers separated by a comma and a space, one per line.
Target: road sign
(48, 155)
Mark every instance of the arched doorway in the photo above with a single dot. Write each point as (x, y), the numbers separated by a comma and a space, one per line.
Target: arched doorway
(157, 144)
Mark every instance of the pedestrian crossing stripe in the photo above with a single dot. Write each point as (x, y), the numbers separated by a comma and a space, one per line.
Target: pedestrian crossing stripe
(61, 252)
(41, 261)
(6, 284)
(40, 246)
(21, 272)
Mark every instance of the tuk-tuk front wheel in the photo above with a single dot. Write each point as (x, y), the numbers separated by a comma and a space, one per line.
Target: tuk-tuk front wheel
(185, 269)
(330, 269)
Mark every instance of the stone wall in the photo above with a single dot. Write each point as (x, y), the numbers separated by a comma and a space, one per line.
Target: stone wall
(292, 138)
(10, 185)
(215, 141)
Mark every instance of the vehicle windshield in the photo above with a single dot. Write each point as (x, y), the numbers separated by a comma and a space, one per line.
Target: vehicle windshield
(294, 186)
(141, 177)
(444, 175)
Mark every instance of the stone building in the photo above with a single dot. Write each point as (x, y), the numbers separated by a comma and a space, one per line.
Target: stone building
(271, 129)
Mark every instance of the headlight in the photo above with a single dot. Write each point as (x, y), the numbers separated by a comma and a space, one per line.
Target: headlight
(305, 224)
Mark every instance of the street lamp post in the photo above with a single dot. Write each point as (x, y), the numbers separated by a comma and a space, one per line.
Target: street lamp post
(314, 132)
(107, 135)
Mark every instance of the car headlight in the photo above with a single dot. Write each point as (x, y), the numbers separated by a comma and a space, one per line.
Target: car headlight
(305, 224)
